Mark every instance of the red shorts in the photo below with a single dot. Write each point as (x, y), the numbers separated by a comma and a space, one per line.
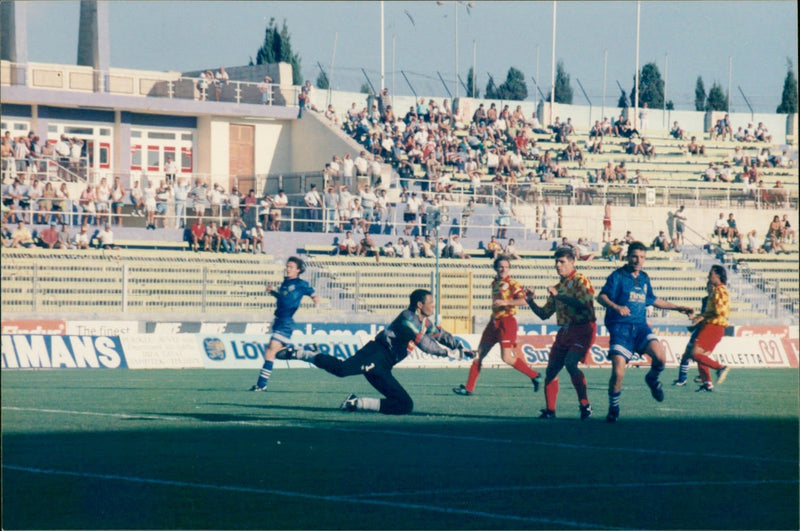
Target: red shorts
(607, 223)
(709, 336)
(503, 331)
(572, 338)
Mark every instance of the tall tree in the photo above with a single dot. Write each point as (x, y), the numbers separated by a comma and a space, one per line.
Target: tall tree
(699, 95)
(623, 100)
(651, 87)
(789, 97)
(470, 83)
(491, 89)
(563, 90)
(717, 99)
(277, 47)
(514, 87)
(322, 81)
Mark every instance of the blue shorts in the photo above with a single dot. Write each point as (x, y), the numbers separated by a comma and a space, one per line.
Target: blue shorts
(282, 330)
(161, 208)
(627, 339)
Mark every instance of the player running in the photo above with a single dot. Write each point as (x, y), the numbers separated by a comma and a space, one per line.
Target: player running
(572, 300)
(411, 329)
(287, 300)
(710, 327)
(626, 295)
(507, 294)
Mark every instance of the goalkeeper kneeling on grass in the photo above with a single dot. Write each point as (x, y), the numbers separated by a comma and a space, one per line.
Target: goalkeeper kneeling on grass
(375, 360)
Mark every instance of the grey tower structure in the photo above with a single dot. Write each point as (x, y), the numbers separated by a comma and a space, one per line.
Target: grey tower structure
(94, 47)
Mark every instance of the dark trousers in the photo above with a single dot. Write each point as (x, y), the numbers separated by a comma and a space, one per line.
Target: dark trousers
(375, 363)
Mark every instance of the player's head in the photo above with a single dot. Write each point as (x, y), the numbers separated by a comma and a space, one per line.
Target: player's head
(294, 267)
(637, 253)
(565, 261)
(422, 300)
(501, 265)
(720, 272)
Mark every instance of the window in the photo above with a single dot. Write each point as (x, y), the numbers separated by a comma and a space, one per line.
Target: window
(136, 134)
(187, 136)
(79, 131)
(153, 158)
(136, 157)
(161, 136)
(104, 131)
(52, 129)
(186, 159)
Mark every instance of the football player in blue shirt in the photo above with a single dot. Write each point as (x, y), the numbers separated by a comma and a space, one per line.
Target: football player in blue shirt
(287, 300)
(626, 296)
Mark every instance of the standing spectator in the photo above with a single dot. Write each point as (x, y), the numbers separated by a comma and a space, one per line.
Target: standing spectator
(368, 201)
(626, 295)
(549, 219)
(710, 326)
(572, 300)
(265, 89)
(287, 301)
(279, 202)
(215, 198)
(103, 201)
(180, 193)
(466, 214)
(384, 209)
(170, 170)
(507, 295)
(607, 222)
(137, 200)
(680, 226)
(46, 210)
(87, 204)
(117, 196)
(162, 200)
(503, 217)
(330, 204)
(233, 201)
(313, 203)
(150, 205)
(198, 196)
(221, 79)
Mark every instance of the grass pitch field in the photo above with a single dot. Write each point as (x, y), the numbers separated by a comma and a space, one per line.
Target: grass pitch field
(194, 450)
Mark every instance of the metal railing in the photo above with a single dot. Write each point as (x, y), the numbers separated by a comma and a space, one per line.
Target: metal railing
(144, 84)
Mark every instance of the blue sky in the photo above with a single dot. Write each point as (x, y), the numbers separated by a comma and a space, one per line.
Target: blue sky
(692, 38)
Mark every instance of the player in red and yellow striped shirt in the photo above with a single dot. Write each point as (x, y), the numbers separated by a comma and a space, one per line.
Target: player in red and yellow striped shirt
(507, 294)
(572, 300)
(712, 321)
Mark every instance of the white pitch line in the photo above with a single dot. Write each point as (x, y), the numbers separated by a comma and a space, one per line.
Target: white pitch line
(345, 499)
(664, 484)
(462, 438)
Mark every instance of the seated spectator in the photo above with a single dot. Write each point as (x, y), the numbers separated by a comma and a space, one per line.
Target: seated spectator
(330, 114)
(639, 178)
(693, 148)
(348, 246)
(21, 237)
(752, 243)
(105, 237)
(762, 133)
(64, 239)
(224, 238)
(778, 195)
(733, 231)
(721, 227)
(772, 244)
(493, 248)
(620, 172)
(724, 173)
(48, 238)
(582, 251)
(388, 250)
(198, 234)
(454, 248)
(661, 242)
(676, 132)
(238, 237)
(647, 148)
(511, 250)
(82, 238)
(211, 238)
(613, 250)
(786, 231)
(710, 174)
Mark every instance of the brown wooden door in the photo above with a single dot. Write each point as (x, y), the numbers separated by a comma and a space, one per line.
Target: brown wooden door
(242, 156)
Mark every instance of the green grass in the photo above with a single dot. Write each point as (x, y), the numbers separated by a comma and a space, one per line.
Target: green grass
(194, 450)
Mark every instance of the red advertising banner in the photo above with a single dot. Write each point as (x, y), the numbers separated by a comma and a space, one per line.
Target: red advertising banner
(34, 327)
